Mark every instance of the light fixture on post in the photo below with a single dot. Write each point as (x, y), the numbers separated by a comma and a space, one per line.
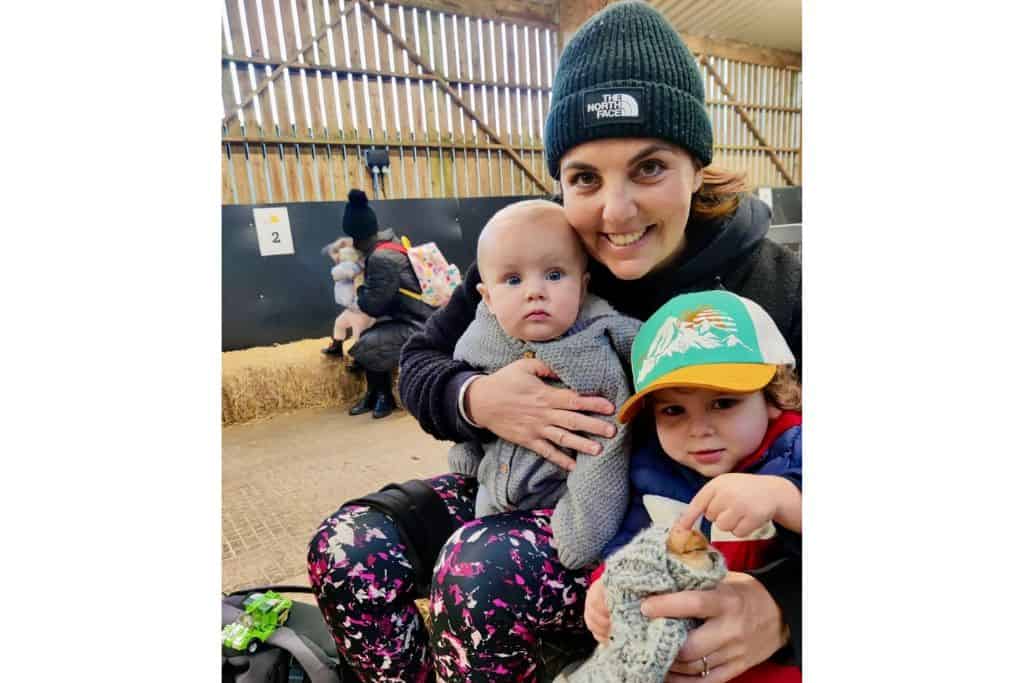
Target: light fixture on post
(377, 162)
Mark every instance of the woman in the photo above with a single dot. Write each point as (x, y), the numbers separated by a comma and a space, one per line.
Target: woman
(398, 316)
(629, 140)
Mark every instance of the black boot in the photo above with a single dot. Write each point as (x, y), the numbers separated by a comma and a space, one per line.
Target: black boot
(334, 349)
(366, 403)
(384, 405)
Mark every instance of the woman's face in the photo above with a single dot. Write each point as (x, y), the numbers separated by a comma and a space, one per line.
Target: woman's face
(629, 200)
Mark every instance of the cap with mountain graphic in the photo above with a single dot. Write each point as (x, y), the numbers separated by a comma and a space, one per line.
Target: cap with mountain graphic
(710, 340)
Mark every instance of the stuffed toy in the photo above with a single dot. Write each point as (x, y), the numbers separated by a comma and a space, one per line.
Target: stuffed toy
(347, 272)
(658, 560)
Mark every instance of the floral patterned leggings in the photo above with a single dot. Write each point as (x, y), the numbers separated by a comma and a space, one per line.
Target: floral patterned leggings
(498, 587)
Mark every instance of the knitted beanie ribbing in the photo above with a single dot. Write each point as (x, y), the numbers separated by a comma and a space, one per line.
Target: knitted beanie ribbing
(626, 73)
(359, 221)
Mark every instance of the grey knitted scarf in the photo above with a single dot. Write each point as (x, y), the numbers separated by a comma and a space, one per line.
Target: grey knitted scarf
(641, 650)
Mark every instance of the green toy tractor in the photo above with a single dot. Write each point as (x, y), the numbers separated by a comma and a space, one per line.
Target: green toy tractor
(264, 612)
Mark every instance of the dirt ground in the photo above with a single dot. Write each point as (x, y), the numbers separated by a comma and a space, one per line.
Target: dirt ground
(283, 475)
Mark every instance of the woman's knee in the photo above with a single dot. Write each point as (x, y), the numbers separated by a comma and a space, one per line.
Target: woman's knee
(481, 566)
(358, 551)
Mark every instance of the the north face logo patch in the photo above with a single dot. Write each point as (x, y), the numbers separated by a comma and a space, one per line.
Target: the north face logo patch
(613, 105)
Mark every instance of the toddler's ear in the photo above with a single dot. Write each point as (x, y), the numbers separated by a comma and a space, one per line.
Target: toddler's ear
(482, 288)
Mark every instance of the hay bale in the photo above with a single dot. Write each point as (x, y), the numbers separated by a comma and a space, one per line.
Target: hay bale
(266, 380)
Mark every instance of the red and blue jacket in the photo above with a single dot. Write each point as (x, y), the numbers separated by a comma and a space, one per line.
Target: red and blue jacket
(652, 471)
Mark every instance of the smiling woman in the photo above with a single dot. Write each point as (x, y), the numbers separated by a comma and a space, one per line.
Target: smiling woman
(629, 140)
(629, 201)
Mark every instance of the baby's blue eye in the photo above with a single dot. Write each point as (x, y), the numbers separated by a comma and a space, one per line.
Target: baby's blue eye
(555, 275)
(513, 280)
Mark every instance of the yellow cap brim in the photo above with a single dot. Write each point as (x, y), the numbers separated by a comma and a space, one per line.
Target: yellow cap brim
(737, 377)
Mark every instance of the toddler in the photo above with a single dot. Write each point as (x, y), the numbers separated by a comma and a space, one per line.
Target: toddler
(714, 382)
(535, 305)
(347, 273)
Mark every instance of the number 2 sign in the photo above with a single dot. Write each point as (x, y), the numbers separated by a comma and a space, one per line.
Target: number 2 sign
(273, 231)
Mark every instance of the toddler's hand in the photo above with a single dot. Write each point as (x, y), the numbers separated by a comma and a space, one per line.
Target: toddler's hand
(595, 612)
(738, 503)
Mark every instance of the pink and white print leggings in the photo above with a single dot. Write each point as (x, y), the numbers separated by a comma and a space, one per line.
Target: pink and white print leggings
(498, 588)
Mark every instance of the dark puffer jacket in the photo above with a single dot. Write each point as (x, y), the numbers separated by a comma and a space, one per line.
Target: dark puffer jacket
(398, 316)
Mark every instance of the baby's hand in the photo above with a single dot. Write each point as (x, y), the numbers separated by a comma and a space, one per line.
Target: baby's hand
(595, 612)
(740, 503)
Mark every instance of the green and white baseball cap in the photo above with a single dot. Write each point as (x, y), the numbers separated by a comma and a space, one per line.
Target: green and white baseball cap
(707, 340)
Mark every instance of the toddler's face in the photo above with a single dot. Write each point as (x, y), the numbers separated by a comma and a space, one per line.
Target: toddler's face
(534, 277)
(710, 431)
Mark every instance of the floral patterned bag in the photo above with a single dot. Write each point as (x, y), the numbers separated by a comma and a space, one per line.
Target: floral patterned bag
(438, 278)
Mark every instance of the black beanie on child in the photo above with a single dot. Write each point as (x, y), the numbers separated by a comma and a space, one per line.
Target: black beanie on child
(360, 221)
(627, 74)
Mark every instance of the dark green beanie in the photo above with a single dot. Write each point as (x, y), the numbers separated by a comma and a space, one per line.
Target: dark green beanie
(627, 74)
(360, 221)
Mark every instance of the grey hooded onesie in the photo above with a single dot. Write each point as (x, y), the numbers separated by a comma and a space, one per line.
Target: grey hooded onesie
(589, 502)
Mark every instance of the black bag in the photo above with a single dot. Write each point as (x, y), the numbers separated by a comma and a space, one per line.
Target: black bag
(301, 650)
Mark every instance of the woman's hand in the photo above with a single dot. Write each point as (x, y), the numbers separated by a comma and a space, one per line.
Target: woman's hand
(518, 407)
(595, 612)
(743, 627)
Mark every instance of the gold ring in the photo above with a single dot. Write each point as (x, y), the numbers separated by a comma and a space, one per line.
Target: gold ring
(704, 673)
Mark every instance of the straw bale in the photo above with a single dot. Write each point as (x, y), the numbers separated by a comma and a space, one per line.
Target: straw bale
(267, 380)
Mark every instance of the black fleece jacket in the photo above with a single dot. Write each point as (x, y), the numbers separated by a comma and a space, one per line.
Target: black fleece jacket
(733, 253)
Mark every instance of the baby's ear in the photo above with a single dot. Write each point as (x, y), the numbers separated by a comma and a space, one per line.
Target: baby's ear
(482, 288)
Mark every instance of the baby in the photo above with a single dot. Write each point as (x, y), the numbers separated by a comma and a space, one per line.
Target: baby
(535, 305)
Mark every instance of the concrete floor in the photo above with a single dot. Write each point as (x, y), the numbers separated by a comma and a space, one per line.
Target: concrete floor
(282, 476)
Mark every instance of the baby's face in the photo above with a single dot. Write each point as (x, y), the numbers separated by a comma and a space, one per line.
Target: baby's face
(533, 274)
(710, 431)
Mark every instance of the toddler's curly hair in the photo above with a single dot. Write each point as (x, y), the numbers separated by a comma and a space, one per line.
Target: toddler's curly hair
(783, 391)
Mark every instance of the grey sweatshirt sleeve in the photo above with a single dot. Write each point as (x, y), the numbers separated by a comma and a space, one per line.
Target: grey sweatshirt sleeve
(594, 505)
(589, 513)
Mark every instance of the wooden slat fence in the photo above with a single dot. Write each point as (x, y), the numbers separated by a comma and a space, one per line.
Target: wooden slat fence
(310, 85)
(458, 102)
(770, 99)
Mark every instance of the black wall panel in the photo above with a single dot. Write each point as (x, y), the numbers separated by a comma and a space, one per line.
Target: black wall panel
(276, 299)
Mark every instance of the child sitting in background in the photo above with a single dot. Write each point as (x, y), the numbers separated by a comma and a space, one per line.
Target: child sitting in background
(535, 305)
(348, 274)
(714, 378)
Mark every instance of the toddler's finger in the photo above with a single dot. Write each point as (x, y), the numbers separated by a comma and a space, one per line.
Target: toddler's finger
(728, 520)
(689, 517)
(745, 526)
(696, 508)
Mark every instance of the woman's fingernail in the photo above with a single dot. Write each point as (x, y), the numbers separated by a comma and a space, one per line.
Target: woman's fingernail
(644, 609)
